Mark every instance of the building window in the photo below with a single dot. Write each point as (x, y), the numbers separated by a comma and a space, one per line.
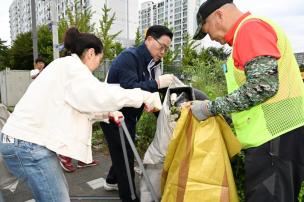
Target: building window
(178, 16)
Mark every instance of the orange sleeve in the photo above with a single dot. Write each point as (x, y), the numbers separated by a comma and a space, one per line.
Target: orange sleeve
(255, 38)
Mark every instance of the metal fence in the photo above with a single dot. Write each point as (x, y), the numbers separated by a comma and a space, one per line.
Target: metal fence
(102, 70)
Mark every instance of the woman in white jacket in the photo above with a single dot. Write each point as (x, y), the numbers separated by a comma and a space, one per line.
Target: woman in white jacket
(55, 116)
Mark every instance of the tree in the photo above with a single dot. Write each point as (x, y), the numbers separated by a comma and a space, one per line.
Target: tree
(77, 16)
(220, 53)
(117, 48)
(138, 39)
(211, 53)
(4, 55)
(45, 43)
(107, 38)
(22, 52)
(170, 56)
(189, 50)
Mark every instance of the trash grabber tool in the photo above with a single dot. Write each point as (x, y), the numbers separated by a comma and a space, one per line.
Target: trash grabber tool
(138, 159)
(124, 151)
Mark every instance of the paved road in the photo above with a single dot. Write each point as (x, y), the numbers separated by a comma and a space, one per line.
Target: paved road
(82, 182)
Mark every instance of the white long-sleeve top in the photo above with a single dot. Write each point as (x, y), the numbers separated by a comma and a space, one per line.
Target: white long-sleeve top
(58, 108)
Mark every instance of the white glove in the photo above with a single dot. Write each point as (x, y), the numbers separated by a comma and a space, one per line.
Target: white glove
(165, 80)
(152, 101)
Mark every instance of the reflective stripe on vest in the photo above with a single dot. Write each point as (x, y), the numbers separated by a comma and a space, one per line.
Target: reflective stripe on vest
(279, 114)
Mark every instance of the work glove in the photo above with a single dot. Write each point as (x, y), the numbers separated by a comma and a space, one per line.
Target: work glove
(199, 110)
(165, 80)
(152, 101)
(116, 117)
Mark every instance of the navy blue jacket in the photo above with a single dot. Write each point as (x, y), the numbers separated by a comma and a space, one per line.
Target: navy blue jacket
(129, 69)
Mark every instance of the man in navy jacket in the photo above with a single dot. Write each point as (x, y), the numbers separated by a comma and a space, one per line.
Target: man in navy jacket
(134, 68)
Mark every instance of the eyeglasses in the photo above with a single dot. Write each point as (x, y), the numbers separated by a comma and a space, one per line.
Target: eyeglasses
(163, 47)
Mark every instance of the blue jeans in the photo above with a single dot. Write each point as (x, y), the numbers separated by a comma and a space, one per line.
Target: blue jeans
(38, 167)
(1, 197)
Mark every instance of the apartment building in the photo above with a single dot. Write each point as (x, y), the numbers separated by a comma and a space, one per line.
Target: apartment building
(126, 19)
(20, 17)
(178, 15)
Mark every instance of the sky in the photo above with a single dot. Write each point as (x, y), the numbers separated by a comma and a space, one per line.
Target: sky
(288, 14)
(4, 20)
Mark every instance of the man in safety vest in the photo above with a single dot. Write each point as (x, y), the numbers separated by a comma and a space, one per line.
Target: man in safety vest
(265, 99)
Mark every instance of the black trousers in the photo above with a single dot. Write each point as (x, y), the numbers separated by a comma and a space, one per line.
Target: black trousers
(274, 171)
(117, 172)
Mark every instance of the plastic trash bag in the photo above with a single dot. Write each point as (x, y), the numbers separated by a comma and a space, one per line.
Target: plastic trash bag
(197, 165)
(166, 122)
(157, 149)
(155, 154)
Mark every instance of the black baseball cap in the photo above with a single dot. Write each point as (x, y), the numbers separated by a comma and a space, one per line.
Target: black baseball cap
(203, 12)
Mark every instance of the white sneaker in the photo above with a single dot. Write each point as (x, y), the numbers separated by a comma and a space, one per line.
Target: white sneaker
(110, 187)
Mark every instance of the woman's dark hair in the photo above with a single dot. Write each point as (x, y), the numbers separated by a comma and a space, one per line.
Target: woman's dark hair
(157, 31)
(77, 42)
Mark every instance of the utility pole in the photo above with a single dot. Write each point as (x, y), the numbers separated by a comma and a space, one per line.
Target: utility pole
(128, 22)
(34, 30)
(54, 28)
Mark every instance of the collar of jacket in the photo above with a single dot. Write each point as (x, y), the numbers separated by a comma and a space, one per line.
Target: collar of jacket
(74, 55)
(143, 50)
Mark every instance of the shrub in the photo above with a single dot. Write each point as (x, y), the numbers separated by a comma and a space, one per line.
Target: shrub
(145, 131)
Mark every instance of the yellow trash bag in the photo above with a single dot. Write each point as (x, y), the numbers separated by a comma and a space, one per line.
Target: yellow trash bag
(197, 165)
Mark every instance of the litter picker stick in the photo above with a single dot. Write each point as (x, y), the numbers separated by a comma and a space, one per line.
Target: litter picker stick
(124, 151)
(138, 159)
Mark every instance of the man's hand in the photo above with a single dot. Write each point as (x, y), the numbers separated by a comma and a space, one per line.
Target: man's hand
(199, 110)
(165, 80)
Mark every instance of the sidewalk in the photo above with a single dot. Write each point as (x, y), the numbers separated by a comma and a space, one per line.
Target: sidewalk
(83, 182)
